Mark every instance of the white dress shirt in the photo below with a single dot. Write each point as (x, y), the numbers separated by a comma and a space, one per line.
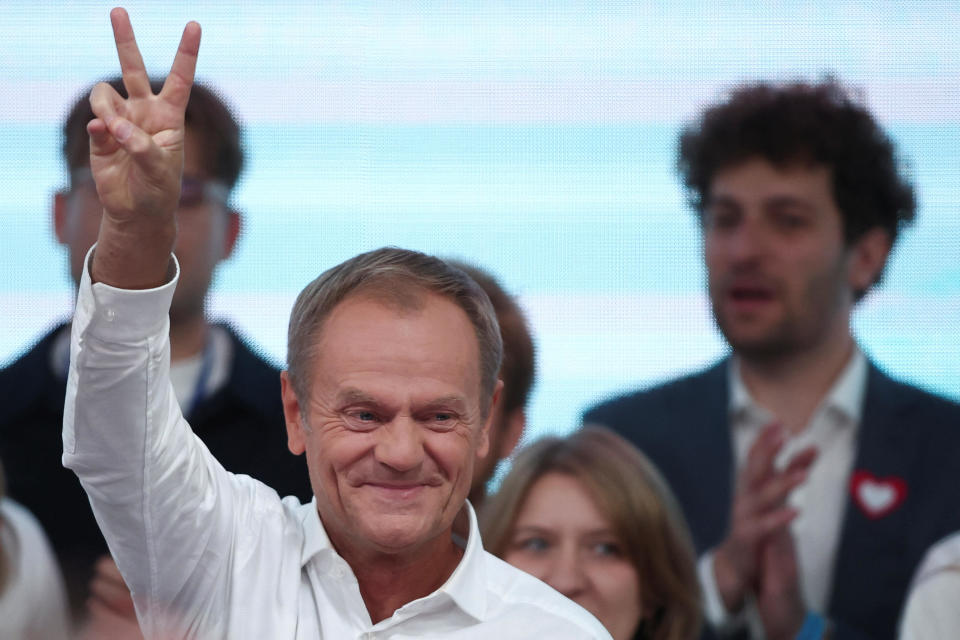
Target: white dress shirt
(209, 554)
(820, 501)
(33, 604)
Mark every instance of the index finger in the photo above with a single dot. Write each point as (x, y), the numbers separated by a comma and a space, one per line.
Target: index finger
(135, 77)
(176, 88)
(762, 454)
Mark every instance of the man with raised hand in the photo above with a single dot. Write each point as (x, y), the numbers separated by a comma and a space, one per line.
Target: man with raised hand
(229, 393)
(393, 361)
(812, 482)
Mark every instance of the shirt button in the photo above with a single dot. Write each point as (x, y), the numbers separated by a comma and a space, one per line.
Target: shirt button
(110, 315)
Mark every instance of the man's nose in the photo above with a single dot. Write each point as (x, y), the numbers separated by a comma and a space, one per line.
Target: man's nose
(400, 444)
(747, 242)
(567, 575)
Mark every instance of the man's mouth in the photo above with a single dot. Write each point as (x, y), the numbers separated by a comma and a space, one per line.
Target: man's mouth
(397, 491)
(750, 297)
(751, 294)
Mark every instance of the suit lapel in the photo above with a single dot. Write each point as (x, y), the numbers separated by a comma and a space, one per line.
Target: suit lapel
(711, 449)
(873, 543)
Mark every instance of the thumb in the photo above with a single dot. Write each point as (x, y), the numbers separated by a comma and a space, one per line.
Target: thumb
(135, 141)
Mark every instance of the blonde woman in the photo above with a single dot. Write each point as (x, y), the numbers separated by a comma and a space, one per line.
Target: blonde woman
(32, 600)
(590, 516)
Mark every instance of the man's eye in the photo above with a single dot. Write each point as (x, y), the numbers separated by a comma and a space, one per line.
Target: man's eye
(441, 419)
(361, 420)
(790, 221)
(721, 219)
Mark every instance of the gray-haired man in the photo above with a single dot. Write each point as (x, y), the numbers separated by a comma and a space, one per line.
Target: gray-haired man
(393, 374)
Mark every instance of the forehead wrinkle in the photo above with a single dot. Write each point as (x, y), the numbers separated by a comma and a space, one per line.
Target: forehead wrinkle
(352, 394)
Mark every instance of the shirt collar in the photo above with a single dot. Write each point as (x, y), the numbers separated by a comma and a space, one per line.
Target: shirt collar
(845, 396)
(466, 586)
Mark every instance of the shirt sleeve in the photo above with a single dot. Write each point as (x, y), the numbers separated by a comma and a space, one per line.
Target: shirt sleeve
(722, 621)
(163, 503)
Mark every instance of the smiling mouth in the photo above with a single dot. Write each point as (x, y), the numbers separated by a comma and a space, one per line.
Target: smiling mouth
(396, 491)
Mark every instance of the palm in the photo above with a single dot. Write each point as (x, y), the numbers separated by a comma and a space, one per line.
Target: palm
(139, 173)
(125, 186)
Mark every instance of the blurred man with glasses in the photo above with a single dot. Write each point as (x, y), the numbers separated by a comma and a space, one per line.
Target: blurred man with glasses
(230, 394)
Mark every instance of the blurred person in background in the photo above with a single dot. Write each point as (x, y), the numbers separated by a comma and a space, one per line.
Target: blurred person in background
(932, 611)
(230, 393)
(812, 482)
(590, 516)
(518, 373)
(33, 605)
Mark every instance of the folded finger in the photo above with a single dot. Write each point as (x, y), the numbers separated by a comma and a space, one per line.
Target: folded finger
(176, 88)
(105, 102)
(763, 452)
(102, 142)
(135, 77)
(115, 597)
(776, 490)
(107, 568)
(774, 522)
(803, 459)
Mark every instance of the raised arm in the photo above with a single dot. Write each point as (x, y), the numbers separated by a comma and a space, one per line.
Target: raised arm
(136, 156)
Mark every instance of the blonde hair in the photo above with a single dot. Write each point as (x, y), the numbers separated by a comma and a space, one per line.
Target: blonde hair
(639, 506)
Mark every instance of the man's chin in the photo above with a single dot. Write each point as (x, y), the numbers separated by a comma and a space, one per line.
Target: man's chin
(398, 534)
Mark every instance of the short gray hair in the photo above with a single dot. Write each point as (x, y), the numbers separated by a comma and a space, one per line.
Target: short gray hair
(395, 277)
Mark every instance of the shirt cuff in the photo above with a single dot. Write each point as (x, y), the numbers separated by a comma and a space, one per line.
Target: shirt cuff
(715, 612)
(123, 315)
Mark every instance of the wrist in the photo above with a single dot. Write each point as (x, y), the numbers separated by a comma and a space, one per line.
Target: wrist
(133, 255)
(732, 589)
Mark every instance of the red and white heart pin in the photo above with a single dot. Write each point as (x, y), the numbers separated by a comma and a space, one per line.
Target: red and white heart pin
(875, 496)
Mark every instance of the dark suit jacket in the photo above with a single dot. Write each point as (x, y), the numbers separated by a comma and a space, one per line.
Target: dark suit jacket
(241, 423)
(905, 433)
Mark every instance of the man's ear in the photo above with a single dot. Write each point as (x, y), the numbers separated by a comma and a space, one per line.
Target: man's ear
(234, 225)
(296, 436)
(513, 426)
(868, 255)
(483, 444)
(60, 216)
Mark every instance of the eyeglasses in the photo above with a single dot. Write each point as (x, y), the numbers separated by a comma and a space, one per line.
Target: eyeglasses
(193, 191)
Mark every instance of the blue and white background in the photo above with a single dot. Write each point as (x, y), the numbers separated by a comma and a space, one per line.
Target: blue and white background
(533, 138)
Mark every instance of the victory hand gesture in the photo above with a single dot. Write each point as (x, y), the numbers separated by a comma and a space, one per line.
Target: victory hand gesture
(136, 156)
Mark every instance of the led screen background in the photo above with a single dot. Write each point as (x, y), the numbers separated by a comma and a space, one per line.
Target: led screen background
(534, 139)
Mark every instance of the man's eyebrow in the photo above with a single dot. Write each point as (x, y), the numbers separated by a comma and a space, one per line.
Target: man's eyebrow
(352, 395)
(446, 401)
(788, 201)
(725, 200)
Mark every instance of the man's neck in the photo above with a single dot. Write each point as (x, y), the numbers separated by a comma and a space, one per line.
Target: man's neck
(389, 581)
(187, 337)
(793, 385)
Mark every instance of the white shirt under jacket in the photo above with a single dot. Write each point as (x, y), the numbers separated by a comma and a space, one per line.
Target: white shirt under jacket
(833, 429)
(210, 554)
